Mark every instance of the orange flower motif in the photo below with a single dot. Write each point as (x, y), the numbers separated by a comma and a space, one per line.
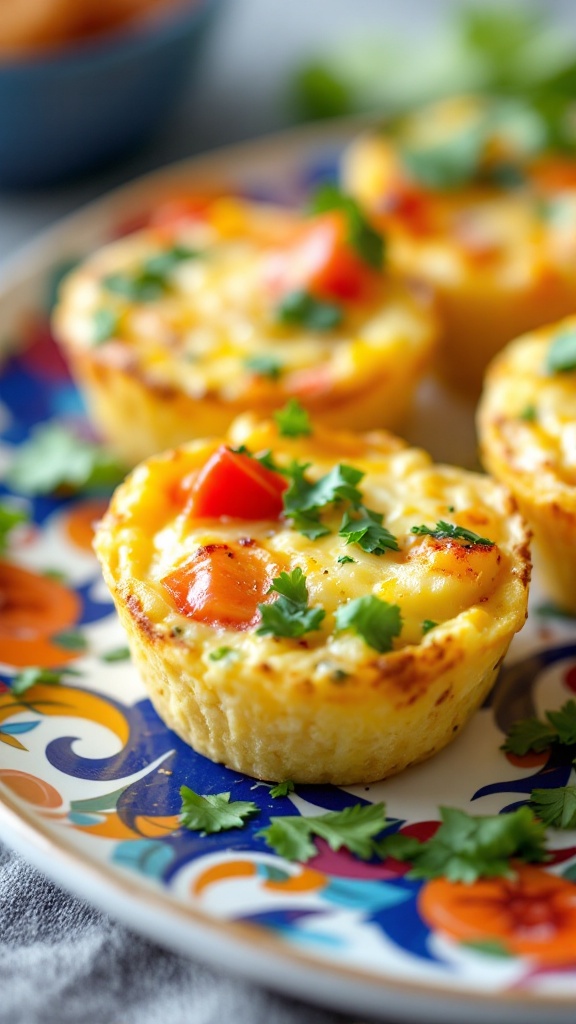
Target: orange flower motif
(531, 914)
(33, 609)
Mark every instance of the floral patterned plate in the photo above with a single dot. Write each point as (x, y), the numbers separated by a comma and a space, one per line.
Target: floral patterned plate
(90, 777)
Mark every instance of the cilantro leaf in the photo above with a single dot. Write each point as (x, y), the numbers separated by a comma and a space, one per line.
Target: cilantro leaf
(338, 485)
(29, 677)
(376, 621)
(151, 281)
(561, 356)
(353, 828)
(529, 414)
(71, 640)
(448, 164)
(367, 531)
(309, 524)
(116, 654)
(54, 457)
(528, 734)
(368, 243)
(532, 734)
(9, 518)
(289, 615)
(213, 813)
(444, 531)
(466, 848)
(427, 625)
(555, 807)
(345, 559)
(264, 365)
(293, 420)
(282, 789)
(104, 325)
(221, 652)
(303, 309)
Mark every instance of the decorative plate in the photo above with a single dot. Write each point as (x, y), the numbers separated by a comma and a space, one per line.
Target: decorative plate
(90, 777)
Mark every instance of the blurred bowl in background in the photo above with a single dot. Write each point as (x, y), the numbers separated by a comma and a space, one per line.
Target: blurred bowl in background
(70, 109)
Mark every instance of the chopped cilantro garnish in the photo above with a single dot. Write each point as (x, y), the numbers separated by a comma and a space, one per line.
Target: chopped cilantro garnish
(533, 734)
(301, 308)
(116, 654)
(293, 420)
(345, 559)
(449, 531)
(214, 812)
(289, 615)
(221, 652)
(448, 164)
(427, 625)
(466, 848)
(529, 413)
(282, 789)
(367, 531)
(367, 242)
(264, 365)
(150, 281)
(561, 356)
(353, 828)
(54, 457)
(9, 518)
(29, 677)
(555, 807)
(104, 325)
(376, 621)
(71, 640)
(304, 496)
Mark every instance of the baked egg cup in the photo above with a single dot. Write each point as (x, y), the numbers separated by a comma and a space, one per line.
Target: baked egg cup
(415, 578)
(476, 202)
(527, 429)
(174, 331)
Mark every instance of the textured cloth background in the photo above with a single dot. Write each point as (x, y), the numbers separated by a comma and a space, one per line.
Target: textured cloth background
(62, 962)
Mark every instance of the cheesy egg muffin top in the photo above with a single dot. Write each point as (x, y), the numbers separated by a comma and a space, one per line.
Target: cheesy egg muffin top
(247, 305)
(313, 605)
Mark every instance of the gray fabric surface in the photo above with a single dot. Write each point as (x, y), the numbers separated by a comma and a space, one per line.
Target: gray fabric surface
(62, 962)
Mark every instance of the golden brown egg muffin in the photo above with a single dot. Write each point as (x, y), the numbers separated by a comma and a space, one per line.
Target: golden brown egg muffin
(324, 607)
(477, 203)
(175, 330)
(527, 427)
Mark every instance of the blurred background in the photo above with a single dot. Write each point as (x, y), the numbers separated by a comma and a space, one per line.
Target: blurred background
(144, 82)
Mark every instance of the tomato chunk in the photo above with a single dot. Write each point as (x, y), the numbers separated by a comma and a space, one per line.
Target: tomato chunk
(232, 484)
(324, 262)
(222, 585)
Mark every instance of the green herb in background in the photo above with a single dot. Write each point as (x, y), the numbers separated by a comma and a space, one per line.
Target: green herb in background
(32, 676)
(354, 828)
(486, 48)
(54, 457)
(302, 309)
(293, 420)
(9, 518)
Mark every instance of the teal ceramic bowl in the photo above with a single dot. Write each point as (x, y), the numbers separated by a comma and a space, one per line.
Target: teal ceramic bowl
(85, 105)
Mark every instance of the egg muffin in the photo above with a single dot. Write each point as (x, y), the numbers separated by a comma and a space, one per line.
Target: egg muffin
(478, 202)
(527, 427)
(175, 330)
(314, 605)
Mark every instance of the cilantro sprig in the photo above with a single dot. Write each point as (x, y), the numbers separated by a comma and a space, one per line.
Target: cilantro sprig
(555, 807)
(561, 356)
(264, 365)
(449, 531)
(54, 457)
(289, 615)
(366, 530)
(214, 812)
(292, 420)
(353, 828)
(303, 309)
(466, 848)
(33, 676)
(376, 621)
(282, 789)
(9, 518)
(534, 734)
(362, 236)
(304, 499)
(152, 280)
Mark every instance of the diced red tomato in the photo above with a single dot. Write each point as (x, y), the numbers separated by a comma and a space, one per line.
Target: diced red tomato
(408, 205)
(222, 585)
(233, 484)
(323, 262)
